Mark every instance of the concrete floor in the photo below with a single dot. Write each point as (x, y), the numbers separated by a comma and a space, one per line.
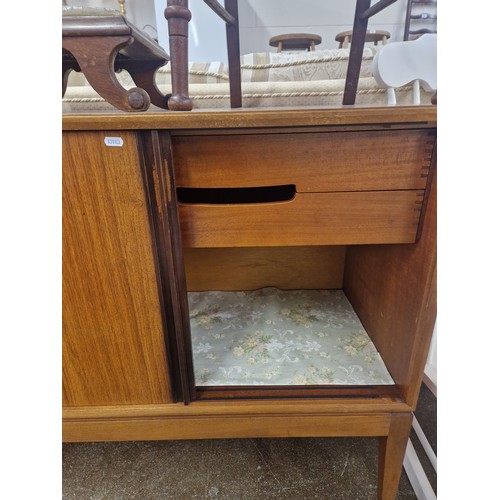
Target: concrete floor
(233, 469)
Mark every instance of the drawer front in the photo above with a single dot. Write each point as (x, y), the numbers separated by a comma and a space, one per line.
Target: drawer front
(313, 162)
(308, 219)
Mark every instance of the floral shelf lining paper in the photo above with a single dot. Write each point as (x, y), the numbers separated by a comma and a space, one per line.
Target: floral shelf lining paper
(276, 337)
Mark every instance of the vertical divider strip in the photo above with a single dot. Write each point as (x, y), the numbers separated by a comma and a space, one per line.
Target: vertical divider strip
(160, 189)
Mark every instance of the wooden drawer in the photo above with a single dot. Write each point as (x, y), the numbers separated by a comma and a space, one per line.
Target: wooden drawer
(313, 162)
(346, 218)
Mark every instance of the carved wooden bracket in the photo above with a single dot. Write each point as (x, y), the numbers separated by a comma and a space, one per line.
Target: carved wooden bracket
(101, 45)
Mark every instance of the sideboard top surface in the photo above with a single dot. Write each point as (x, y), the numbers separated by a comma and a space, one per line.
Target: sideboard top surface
(422, 116)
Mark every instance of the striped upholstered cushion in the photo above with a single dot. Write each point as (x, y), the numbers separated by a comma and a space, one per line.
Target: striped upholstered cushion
(328, 64)
(198, 72)
(210, 72)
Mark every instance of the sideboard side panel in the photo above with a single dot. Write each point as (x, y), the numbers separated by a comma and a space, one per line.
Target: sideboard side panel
(394, 291)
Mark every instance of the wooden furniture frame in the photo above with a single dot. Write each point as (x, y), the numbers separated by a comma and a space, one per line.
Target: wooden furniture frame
(420, 19)
(344, 38)
(295, 41)
(127, 368)
(101, 45)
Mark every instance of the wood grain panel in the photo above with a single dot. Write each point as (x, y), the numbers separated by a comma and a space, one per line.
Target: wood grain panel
(314, 162)
(242, 407)
(309, 219)
(113, 347)
(213, 119)
(319, 267)
(227, 427)
(129, 422)
(393, 290)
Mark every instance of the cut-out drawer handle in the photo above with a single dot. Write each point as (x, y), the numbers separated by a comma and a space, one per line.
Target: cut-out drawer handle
(239, 195)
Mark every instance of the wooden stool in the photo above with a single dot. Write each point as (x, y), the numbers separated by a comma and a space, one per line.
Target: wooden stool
(295, 41)
(100, 42)
(371, 36)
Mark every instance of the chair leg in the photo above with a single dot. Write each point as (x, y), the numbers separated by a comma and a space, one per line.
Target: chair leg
(391, 97)
(391, 454)
(416, 92)
(233, 55)
(356, 53)
(178, 16)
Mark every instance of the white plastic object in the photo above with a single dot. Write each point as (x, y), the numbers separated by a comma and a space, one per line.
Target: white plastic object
(399, 63)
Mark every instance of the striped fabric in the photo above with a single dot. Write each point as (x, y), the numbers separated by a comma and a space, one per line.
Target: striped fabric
(258, 94)
(198, 72)
(210, 72)
(328, 64)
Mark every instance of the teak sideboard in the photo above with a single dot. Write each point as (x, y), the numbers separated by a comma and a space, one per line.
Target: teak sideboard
(340, 198)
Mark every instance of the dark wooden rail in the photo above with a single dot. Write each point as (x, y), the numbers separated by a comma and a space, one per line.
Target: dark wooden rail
(221, 11)
(362, 15)
(229, 13)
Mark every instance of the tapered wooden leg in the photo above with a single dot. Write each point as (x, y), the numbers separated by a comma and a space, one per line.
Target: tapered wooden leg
(391, 454)
(96, 58)
(178, 17)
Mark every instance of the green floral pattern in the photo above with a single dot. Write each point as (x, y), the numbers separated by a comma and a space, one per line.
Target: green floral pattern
(276, 337)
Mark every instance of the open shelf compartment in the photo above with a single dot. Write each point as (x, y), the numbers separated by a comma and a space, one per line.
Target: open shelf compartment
(275, 337)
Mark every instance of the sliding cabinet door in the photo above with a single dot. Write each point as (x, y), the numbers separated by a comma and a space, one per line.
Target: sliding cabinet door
(114, 317)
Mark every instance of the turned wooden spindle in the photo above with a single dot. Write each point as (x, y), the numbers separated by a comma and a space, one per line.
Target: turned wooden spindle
(178, 16)
(123, 12)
